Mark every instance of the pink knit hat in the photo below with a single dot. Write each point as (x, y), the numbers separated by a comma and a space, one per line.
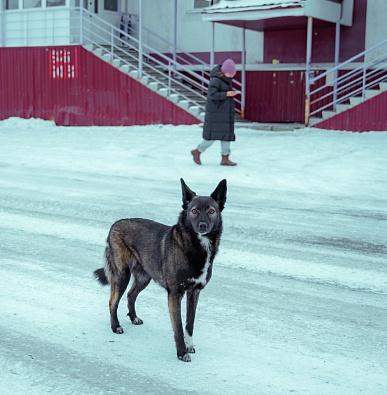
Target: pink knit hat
(228, 66)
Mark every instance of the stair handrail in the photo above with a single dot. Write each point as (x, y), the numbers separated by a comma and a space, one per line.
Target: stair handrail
(168, 65)
(132, 19)
(353, 83)
(199, 63)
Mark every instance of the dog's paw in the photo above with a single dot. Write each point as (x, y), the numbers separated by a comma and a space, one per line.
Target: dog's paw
(191, 349)
(118, 330)
(137, 321)
(185, 357)
(189, 343)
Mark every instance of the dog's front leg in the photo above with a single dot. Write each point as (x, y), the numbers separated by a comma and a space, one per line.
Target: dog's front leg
(174, 304)
(192, 302)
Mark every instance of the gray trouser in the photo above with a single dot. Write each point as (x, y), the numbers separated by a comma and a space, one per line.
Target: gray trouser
(224, 146)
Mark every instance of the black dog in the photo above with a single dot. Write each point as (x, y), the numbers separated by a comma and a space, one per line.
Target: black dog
(178, 257)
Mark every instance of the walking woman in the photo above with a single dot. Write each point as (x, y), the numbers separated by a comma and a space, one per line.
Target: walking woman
(220, 113)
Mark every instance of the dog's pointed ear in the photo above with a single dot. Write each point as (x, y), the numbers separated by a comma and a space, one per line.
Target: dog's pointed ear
(188, 195)
(219, 195)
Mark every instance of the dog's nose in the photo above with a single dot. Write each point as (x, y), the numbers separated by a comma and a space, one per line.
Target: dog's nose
(202, 226)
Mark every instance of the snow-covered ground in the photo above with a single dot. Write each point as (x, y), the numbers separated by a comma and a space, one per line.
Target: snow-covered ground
(298, 298)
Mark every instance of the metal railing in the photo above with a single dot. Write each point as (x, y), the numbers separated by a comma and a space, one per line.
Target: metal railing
(139, 46)
(351, 78)
(130, 24)
(176, 71)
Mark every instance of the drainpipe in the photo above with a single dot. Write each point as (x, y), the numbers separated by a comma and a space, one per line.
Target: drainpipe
(243, 99)
(308, 69)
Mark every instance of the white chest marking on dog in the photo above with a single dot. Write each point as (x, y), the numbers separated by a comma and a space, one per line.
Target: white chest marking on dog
(207, 246)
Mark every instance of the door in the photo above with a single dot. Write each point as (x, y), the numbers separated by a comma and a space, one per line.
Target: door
(92, 6)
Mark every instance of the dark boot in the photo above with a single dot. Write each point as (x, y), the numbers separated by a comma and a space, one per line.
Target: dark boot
(196, 156)
(227, 162)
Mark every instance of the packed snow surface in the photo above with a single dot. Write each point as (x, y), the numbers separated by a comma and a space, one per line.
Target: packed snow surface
(298, 298)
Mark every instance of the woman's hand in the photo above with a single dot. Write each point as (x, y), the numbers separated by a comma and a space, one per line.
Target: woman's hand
(232, 93)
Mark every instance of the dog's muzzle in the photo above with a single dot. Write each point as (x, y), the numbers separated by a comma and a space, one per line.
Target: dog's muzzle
(202, 227)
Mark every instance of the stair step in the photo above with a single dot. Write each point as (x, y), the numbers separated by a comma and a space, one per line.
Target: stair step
(98, 52)
(314, 120)
(145, 79)
(163, 91)
(174, 97)
(125, 68)
(184, 104)
(383, 86)
(134, 74)
(116, 63)
(342, 107)
(371, 93)
(194, 110)
(153, 85)
(201, 115)
(89, 47)
(328, 114)
(355, 101)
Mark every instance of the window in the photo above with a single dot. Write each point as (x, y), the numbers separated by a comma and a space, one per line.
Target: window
(12, 5)
(55, 3)
(78, 2)
(32, 3)
(110, 5)
(204, 3)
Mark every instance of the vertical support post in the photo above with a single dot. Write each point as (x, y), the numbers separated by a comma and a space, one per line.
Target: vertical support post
(81, 25)
(112, 38)
(308, 69)
(174, 34)
(337, 59)
(243, 98)
(2, 23)
(169, 79)
(212, 55)
(139, 39)
(363, 89)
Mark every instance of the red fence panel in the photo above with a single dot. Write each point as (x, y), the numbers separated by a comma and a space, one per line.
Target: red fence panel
(73, 87)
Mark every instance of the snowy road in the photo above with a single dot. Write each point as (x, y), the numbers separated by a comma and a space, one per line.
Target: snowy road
(298, 299)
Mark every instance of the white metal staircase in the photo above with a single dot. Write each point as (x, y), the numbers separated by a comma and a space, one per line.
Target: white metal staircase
(347, 85)
(176, 75)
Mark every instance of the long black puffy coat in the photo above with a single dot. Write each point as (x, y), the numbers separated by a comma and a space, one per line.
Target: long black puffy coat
(220, 109)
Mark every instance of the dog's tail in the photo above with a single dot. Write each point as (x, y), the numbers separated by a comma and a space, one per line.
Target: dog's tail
(100, 275)
(103, 274)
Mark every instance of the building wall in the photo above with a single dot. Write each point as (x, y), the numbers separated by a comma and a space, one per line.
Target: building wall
(376, 22)
(73, 87)
(193, 34)
(289, 46)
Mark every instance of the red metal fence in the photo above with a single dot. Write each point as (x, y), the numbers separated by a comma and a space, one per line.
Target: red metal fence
(73, 87)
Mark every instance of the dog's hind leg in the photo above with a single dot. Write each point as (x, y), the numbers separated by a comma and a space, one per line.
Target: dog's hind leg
(118, 258)
(117, 289)
(192, 302)
(140, 282)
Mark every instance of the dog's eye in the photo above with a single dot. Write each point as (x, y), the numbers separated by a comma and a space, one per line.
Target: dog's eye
(194, 211)
(211, 211)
